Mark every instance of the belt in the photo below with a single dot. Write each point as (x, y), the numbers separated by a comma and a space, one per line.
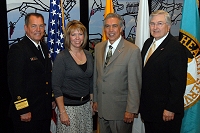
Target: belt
(83, 98)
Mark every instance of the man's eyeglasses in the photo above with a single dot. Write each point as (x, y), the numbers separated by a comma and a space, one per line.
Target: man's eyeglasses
(159, 24)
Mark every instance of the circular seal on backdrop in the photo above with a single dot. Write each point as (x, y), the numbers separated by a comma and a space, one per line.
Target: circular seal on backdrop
(192, 91)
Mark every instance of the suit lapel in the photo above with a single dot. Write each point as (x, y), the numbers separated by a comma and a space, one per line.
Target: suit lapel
(117, 52)
(102, 51)
(146, 47)
(34, 49)
(159, 50)
(46, 54)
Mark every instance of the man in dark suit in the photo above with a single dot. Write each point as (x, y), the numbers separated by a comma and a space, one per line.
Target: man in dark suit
(163, 78)
(29, 79)
(117, 81)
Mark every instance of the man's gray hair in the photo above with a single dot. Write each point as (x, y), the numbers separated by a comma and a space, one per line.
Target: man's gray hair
(161, 12)
(114, 15)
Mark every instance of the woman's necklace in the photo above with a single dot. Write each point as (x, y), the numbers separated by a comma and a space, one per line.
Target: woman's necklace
(76, 57)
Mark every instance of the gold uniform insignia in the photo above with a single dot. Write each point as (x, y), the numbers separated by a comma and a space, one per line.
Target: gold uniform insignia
(33, 58)
(20, 104)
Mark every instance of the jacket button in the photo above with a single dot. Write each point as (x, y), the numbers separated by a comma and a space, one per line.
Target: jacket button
(47, 83)
(47, 93)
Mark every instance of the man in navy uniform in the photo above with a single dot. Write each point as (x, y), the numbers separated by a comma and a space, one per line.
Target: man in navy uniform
(29, 79)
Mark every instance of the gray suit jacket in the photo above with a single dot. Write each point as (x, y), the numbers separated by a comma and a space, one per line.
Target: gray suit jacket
(117, 86)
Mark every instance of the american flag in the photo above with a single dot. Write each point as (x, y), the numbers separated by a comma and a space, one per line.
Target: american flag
(55, 39)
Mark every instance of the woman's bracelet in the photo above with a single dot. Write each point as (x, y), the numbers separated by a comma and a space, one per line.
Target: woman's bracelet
(62, 112)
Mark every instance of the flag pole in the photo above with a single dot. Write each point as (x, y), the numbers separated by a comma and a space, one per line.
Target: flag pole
(63, 17)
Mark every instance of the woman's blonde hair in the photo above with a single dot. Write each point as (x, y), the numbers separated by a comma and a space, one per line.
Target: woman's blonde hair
(72, 26)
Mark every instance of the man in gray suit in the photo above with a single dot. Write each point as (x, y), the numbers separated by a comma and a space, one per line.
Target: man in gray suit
(117, 79)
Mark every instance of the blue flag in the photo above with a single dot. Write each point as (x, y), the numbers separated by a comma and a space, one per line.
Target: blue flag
(55, 40)
(189, 36)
